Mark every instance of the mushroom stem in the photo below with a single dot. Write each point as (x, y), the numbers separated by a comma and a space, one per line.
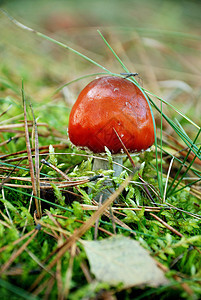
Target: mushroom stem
(102, 164)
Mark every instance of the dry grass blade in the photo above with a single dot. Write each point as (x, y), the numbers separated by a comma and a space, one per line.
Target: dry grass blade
(37, 167)
(17, 253)
(8, 177)
(58, 146)
(5, 217)
(109, 214)
(5, 225)
(4, 112)
(79, 221)
(56, 223)
(59, 279)
(23, 186)
(47, 283)
(49, 288)
(11, 126)
(17, 136)
(69, 273)
(125, 150)
(31, 166)
(53, 228)
(97, 221)
(117, 209)
(47, 186)
(43, 161)
(17, 241)
(86, 272)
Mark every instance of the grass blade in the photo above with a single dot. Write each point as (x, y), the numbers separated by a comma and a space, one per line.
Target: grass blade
(37, 167)
(171, 190)
(30, 160)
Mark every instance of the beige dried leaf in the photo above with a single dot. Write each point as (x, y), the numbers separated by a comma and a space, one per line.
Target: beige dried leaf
(121, 259)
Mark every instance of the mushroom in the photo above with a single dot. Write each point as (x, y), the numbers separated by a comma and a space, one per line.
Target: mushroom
(108, 106)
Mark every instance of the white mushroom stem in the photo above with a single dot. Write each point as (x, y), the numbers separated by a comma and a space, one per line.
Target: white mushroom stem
(103, 164)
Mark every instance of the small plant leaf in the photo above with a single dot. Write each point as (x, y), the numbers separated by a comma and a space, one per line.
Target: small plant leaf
(122, 260)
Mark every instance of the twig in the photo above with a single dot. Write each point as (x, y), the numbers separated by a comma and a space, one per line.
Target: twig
(166, 225)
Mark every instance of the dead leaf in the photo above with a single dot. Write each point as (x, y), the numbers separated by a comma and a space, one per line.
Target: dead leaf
(120, 259)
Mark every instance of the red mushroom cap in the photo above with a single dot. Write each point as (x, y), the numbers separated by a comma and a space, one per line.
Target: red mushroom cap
(109, 103)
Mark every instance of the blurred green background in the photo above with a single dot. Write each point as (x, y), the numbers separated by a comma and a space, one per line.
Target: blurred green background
(160, 40)
(169, 15)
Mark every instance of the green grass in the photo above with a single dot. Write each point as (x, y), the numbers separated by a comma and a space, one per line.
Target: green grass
(49, 62)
